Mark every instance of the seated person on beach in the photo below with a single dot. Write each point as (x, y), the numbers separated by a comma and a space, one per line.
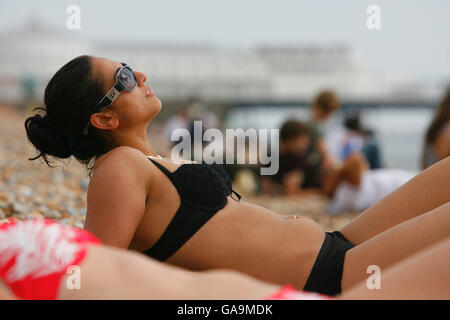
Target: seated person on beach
(356, 187)
(353, 187)
(293, 163)
(75, 265)
(352, 137)
(188, 215)
(437, 138)
(319, 160)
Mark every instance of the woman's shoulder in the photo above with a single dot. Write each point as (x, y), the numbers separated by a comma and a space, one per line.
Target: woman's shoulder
(121, 158)
(123, 166)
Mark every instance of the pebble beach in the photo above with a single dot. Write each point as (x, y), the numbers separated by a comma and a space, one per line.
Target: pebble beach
(32, 190)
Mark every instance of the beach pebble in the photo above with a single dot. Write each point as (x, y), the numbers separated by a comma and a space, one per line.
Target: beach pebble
(70, 210)
(58, 177)
(66, 222)
(52, 214)
(35, 215)
(43, 209)
(25, 191)
(18, 208)
(84, 184)
(79, 224)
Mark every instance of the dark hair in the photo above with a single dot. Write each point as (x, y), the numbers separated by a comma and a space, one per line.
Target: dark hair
(70, 98)
(327, 101)
(293, 129)
(352, 120)
(441, 116)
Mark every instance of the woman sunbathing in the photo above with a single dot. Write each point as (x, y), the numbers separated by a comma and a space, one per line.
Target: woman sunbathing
(188, 215)
(41, 259)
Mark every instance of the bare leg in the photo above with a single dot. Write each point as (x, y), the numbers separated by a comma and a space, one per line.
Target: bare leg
(111, 273)
(426, 191)
(5, 293)
(132, 276)
(426, 275)
(395, 244)
(108, 273)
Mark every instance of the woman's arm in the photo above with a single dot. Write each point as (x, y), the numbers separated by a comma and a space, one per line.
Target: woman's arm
(116, 197)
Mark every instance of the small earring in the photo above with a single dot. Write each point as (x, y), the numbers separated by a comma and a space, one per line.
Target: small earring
(85, 131)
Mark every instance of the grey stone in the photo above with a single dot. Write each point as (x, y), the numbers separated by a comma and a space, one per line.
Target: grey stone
(3, 205)
(19, 208)
(84, 184)
(52, 214)
(79, 224)
(65, 222)
(25, 191)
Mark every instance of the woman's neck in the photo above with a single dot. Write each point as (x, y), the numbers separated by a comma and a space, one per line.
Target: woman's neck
(139, 142)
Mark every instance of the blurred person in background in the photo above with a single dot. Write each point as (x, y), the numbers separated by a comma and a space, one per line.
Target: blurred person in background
(355, 186)
(199, 111)
(293, 162)
(180, 120)
(352, 187)
(353, 137)
(314, 161)
(318, 159)
(437, 138)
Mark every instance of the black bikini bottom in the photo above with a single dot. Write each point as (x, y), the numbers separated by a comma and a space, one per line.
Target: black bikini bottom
(326, 274)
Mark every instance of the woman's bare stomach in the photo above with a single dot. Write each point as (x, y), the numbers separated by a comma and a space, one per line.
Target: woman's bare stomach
(251, 239)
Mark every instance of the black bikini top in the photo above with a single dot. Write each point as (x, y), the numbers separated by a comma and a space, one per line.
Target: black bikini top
(203, 190)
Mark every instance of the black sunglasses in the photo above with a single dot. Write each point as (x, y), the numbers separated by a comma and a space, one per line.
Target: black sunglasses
(125, 80)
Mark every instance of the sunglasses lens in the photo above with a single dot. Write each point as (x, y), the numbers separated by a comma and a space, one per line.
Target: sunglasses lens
(127, 79)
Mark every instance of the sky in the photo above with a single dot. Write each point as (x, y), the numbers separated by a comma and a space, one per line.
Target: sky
(413, 39)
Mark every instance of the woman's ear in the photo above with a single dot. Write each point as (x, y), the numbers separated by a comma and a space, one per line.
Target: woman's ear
(104, 121)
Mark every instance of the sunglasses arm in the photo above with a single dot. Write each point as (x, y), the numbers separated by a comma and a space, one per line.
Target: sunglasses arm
(112, 94)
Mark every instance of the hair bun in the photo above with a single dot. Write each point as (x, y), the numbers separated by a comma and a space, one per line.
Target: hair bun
(46, 137)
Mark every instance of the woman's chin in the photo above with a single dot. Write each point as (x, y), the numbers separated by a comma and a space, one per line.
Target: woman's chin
(158, 105)
(155, 107)
(155, 102)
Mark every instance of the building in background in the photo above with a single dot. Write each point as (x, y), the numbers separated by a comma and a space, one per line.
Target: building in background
(31, 55)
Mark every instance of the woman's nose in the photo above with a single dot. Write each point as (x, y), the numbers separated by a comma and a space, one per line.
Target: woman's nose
(142, 77)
